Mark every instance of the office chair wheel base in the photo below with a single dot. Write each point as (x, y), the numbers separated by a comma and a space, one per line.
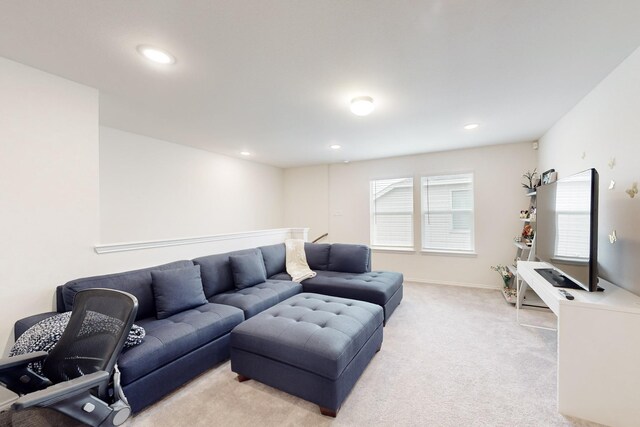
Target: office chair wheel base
(121, 414)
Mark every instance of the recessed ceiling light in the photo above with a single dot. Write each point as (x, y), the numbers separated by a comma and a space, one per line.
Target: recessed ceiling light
(156, 55)
(335, 147)
(362, 105)
(471, 126)
(245, 153)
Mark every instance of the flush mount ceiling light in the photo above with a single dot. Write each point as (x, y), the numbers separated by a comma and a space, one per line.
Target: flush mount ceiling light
(471, 126)
(335, 147)
(156, 55)
(245, 153)
(362, 105)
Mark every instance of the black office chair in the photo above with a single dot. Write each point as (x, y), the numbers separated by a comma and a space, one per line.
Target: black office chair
(81, 378)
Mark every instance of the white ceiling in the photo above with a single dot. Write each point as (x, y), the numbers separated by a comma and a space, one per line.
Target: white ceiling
(275, 77)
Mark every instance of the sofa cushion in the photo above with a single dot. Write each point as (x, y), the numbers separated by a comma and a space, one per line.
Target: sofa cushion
(171, 338)
(248, 270)
(274, 258)
(177, 290)
(281, 276)
(317, 255)
(349, 258)
(136, 282)
(258, 298)
(216, 271)
(376, 286)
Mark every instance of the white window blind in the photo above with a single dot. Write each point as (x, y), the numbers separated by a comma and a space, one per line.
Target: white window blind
(392, 212)
(573, 201)
(447, 213)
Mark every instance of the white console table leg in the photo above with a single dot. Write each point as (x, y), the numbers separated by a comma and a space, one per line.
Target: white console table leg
(521, 290)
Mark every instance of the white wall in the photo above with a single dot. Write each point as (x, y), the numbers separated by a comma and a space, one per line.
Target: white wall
(58, 199)
(306, 199)
(604, 125)
(152, 189)
(498, 201)
(48, 188)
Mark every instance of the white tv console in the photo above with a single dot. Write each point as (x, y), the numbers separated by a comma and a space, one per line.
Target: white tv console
(598, 348)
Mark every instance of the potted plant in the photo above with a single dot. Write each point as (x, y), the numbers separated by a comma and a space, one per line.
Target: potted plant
(531, 182)
(506, 276)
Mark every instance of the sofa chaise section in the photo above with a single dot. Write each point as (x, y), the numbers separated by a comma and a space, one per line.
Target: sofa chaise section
(342, 270)
(378, 287)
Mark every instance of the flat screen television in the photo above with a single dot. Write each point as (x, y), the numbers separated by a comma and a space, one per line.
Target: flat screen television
(567, 230)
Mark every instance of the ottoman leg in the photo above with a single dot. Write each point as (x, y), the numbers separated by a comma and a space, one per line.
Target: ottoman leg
(328, 412)
(242, 378)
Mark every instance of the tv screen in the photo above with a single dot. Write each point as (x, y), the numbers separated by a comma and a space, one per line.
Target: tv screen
(567, 230)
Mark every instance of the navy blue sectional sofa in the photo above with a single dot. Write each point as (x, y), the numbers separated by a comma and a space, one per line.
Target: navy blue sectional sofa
(179, 346)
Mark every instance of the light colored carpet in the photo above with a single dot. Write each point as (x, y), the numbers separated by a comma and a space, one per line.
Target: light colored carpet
(451, 356)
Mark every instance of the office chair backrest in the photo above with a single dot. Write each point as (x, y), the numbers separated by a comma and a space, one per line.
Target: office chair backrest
(93, 339)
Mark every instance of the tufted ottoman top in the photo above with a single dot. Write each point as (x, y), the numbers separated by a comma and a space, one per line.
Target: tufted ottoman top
(317, 333)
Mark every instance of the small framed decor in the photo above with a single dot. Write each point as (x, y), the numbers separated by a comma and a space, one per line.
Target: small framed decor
(549, 176)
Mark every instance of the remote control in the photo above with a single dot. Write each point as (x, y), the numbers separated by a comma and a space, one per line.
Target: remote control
(566, 294)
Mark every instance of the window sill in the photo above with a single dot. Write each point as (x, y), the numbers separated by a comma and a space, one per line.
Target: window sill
(392, 249)
(466, 254)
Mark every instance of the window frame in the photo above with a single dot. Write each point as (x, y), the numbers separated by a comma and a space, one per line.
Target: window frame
(372, 215)
(423, 212)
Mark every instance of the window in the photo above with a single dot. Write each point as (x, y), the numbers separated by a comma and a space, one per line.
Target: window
(392, 212)
(447, 213)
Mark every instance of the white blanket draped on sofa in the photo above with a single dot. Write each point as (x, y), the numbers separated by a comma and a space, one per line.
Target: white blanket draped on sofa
(296, 263)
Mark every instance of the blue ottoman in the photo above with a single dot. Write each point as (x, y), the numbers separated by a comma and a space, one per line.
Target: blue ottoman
(311, 346)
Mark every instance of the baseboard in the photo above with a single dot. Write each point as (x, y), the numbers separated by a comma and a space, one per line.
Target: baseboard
(444, 283)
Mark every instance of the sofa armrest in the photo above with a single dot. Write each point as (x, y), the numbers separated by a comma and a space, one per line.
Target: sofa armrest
(23, 324)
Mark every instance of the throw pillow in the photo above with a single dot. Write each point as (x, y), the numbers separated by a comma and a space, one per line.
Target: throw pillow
(248, 270)
(177, 290)
(45, 334)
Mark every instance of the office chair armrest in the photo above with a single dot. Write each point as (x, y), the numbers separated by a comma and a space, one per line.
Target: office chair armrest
(21, 360)
(18, 377)
(61, 391)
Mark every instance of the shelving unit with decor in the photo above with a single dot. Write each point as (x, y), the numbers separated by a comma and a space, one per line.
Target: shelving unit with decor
(525, 251)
